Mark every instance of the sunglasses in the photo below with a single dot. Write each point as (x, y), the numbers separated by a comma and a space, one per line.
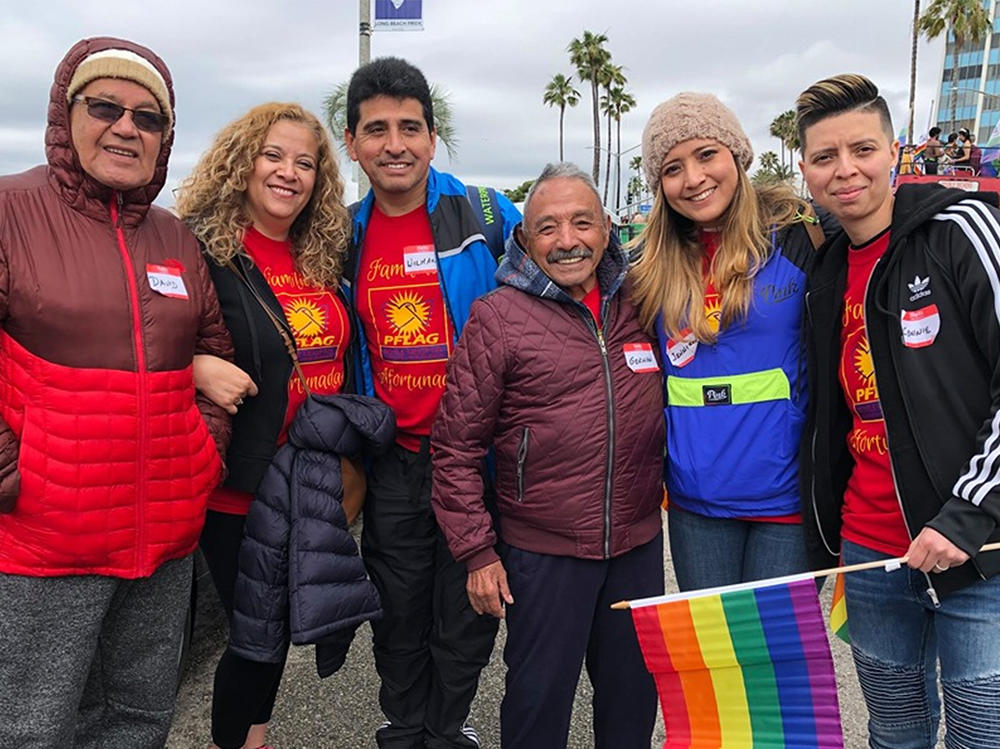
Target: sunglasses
(108, 111)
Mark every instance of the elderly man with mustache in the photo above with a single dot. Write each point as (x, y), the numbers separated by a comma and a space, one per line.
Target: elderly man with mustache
(555, 374)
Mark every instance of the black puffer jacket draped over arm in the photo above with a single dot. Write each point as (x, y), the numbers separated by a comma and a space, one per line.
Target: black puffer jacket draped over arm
(301, 578)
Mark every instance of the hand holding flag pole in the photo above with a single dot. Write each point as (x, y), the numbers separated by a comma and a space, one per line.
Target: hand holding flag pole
(889, 564)
(745, 665)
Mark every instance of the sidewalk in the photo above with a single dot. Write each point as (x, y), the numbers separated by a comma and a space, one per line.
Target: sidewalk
(342, 712)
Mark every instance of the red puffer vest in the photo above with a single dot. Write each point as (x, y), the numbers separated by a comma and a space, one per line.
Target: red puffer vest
(106, 460)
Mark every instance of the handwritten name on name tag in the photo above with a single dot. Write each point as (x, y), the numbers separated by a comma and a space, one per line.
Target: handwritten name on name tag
(681, 352)
(419, 258)
(920, 326)
(166, 280)
(640, 358)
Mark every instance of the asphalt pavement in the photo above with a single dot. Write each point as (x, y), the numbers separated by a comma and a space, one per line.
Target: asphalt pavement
(341, 712)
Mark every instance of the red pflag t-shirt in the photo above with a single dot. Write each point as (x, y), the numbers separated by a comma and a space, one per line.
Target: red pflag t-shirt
(406, 323)
(321, 328)
(871, 512)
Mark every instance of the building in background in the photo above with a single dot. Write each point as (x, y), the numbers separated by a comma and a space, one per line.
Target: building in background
(978, 100)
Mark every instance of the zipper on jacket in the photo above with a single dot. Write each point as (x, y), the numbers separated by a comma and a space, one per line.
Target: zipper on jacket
(931, 592)
(522, 457)
(812, 477)
(140, 361)
(609, 471)
(455, 332)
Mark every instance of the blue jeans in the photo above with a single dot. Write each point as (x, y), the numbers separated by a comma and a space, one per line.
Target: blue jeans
(898, 637)
(708, 552)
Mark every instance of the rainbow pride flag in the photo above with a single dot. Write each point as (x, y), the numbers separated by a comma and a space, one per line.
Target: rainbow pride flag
(838, 611)
(742, 667)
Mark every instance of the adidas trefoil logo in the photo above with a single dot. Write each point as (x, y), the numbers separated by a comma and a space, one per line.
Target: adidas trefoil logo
(918, 287)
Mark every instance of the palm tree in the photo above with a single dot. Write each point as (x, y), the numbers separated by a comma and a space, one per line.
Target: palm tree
(635, 164)
(968, 23)
(560, 93)
(777, 130)
(913, 67)
(623, 103)
(588, 55)
(609, 77)
(771, 169)
(785, 129)
(335, 111)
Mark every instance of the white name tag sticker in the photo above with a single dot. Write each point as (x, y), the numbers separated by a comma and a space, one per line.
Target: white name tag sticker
(419, 258)
(681, 352)
(920, 326)
(163, 279)
(640, 357)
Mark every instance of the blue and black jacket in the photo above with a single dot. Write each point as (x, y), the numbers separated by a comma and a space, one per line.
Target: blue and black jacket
(735, 411)
(466, 263)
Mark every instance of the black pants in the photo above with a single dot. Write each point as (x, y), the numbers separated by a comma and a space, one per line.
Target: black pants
(561, 617)
(430, 646)
(244, 691)
(930, 167)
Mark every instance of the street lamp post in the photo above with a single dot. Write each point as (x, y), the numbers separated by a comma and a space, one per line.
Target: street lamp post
(618, 163)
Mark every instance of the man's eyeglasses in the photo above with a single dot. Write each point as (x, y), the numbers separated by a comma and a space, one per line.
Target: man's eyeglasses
(107, 111)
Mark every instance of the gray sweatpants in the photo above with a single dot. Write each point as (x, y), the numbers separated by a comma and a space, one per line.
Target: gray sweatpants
(90, 661)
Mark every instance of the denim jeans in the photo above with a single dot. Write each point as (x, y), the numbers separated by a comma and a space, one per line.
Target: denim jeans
(708, 552)
(898, 637)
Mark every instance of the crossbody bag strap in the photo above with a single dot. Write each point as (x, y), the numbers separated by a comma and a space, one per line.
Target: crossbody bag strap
(280, 326)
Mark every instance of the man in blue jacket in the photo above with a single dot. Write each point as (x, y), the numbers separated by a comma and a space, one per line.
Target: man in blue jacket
(418, 260)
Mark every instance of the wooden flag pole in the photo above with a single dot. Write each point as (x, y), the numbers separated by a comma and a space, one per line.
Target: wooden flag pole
(893, 563)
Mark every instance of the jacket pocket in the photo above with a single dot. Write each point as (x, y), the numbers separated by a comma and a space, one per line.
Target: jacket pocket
(522, 458)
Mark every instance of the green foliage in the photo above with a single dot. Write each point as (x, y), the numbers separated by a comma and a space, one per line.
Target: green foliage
(771, 170)
(560, 93)
(589, 55)
(519, 193)
(784, 128)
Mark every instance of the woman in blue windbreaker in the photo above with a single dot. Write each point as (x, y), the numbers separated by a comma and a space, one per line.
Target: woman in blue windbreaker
(721, 277)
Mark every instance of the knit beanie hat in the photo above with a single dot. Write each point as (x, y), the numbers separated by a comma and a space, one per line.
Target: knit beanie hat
(121, 63)
(684, 117)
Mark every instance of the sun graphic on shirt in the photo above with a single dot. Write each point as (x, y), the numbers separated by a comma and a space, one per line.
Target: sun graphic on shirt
(713, 312)
(408, 312)
(306, 317)
(863, 363)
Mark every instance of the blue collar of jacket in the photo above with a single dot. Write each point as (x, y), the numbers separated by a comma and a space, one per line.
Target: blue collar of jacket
(521, 272)
(465, 263)
(438, 184)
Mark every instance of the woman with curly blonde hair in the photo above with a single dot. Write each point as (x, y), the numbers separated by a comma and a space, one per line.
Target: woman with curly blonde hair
(721, 277)
(266, 203)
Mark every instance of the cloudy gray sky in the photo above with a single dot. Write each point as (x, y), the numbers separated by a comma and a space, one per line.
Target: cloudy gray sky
(495, 58)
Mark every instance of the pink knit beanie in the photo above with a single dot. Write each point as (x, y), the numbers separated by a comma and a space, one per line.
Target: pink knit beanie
(691, 115)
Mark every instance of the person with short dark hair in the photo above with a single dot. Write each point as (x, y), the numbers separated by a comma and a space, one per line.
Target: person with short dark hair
(107, 457)
(418, 260)
(902, 446)
(556, 375)
(933, 151)
(963, 151)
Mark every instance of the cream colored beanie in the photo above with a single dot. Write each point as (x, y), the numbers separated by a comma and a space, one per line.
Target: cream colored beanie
(121, 63)
(691, 115)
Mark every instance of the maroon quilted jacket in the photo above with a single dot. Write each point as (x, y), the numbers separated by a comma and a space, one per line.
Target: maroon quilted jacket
(578, 435)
